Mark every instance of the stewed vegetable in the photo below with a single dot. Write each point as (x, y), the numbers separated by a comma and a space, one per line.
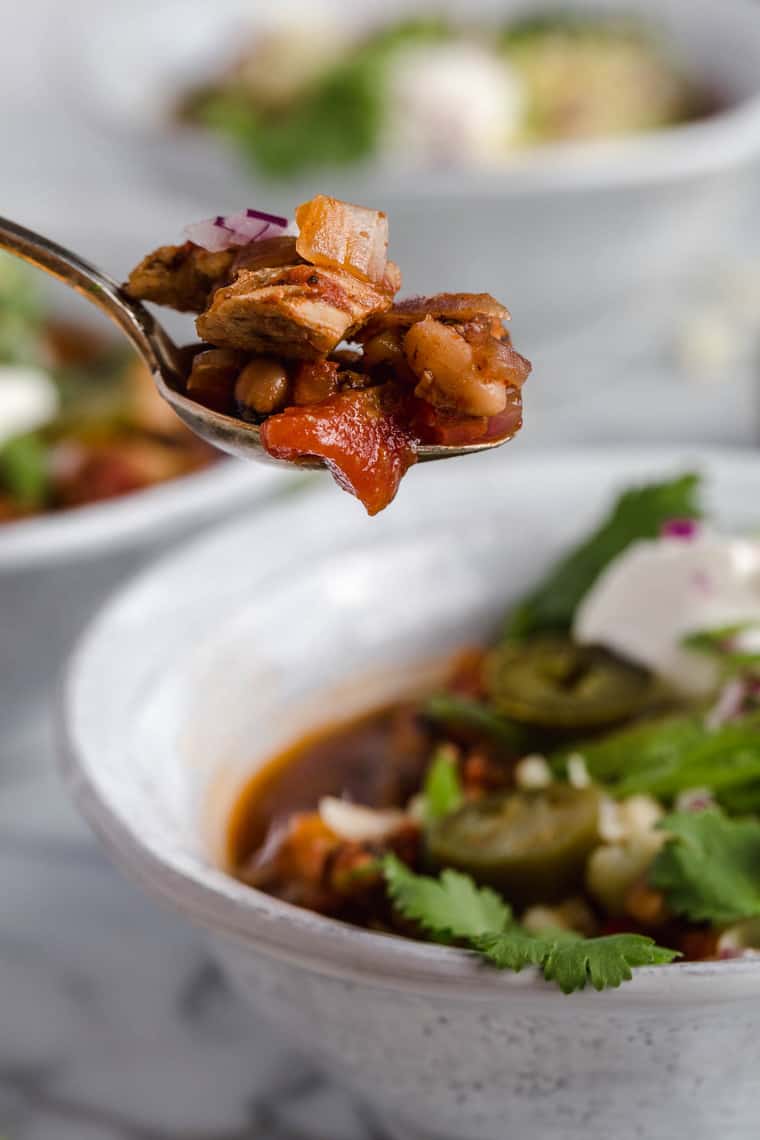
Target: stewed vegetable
(80, 420)
(307, 341)
(551, 681)
(532, 845)
(583, 795)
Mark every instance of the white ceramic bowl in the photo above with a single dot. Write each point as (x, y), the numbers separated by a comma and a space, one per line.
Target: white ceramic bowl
(290, 611)
(57, 569)
(561, 233)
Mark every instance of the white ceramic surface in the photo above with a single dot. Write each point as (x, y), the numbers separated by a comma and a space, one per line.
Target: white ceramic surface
(56, 570)
(187, 680)
(562, 232)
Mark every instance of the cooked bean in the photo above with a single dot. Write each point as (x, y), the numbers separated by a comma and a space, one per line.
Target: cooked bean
(262, 388)
(212, 377)
(314, 381)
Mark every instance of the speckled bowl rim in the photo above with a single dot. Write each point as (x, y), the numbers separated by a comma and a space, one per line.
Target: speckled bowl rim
(259, 923)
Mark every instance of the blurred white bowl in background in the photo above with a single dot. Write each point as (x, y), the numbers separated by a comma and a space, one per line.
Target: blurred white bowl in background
(562, 232)
(55, 571)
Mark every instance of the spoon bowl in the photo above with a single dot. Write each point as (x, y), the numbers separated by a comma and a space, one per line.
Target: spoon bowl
(163, 357)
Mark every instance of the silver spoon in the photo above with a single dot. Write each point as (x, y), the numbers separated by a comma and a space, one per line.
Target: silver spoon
(165, 360)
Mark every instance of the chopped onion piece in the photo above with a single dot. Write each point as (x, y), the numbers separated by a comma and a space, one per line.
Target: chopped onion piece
(747, 640)
(741, 940)
(695, 799)
(357, 823)
(680, 528)
(232, 230)
(577, 772)
(29, 399)
(533, 772)
(728, 705)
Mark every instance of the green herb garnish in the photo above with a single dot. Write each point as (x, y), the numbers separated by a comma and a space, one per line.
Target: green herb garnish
(571, 961)
(639, 513)
(337, 121)
(720, 645)
(454, 908)
(21, 314)
(450, 908)
(454, 712)
(709, 871)
(24, 471)
(442, 790)
(672, 754)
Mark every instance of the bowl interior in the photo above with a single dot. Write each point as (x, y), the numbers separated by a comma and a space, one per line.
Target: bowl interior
(219, 655)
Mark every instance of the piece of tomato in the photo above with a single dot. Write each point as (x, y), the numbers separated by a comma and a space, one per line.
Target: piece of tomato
(360, 435)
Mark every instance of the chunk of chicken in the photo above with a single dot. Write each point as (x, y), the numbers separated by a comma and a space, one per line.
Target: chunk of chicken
(180, 276)
(269, 253)
(298, 311)
(339, 235)
(462, 368)
(445, 307)
(391, 282)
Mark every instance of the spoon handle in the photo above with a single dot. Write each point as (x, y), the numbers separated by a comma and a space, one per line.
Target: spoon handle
(148, 337)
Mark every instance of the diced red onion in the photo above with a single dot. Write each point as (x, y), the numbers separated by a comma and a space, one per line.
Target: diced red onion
(727, 953)
(232, 230)
(694, 800)
(679, 528)
(728, 705)
(212, 234)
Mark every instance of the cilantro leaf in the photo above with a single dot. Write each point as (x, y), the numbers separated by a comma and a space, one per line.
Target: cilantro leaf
(571, 961)
(634, 750)
(721, 644)
(515, 948)
(452, 906)
(741, 800)
(638, 513)
(449, 907)
(337, 120)
(709, 871)
(672, 754)
(442, 791)
(24, 470)
(336, 124)
(21, 314)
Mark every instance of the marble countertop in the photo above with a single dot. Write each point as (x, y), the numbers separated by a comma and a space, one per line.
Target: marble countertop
(116, 1025)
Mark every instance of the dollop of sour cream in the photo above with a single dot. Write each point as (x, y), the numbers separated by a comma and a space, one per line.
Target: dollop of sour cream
(28, 400)
(451, 102)
(658, 591)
